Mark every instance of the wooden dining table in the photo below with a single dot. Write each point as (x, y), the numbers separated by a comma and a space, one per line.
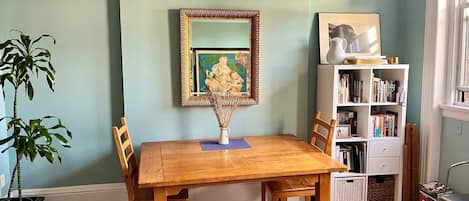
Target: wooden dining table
(171, 165)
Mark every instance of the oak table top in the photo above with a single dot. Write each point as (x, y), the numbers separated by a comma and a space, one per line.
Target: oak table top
(184, 164)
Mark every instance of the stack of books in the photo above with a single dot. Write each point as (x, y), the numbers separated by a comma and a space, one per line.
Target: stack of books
(350, 88)
(345, 117)
(385, 90)
(352, 155)
(384, 124)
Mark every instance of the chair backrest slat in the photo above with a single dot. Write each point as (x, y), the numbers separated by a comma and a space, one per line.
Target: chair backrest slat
(127, 159)
(322, 123)
(320, 136)
(325, 138)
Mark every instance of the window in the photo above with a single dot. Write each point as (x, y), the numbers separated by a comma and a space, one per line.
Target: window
(462, 86)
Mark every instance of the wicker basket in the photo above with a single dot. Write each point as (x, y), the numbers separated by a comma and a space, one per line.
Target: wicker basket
(381, 188)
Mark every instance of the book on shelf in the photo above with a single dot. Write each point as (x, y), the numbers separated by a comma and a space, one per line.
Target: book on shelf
(385, 90)
(384, 124)
(352, 155)
(346, 117)
(350, 88)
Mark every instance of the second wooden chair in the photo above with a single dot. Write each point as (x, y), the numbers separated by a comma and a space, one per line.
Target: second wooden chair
(129, 167)
(303, 187)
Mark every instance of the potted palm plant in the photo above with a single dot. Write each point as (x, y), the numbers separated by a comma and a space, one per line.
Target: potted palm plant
(21, 60)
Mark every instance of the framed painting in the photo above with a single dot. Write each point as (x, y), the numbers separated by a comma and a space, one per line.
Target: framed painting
(361, 32)
(219, 53)
(223, 71)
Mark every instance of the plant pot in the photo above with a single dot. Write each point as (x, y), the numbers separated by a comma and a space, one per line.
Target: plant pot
(25, 199)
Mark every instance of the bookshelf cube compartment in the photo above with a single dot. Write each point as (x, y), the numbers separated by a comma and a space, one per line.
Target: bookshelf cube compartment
(350, 189)
(389, 86)
(386, 121)
(381, 188)
(352, 155)
(356, 117)
(353, 87)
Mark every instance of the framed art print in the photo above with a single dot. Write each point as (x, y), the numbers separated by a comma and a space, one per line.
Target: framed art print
(361, 32)
(343, 131)
(222, 70)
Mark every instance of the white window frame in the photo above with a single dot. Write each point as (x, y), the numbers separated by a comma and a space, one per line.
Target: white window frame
(451, 107)
(437, 43)
(440, 70)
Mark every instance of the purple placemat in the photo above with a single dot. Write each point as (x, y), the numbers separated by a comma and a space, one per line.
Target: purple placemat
(234, 144)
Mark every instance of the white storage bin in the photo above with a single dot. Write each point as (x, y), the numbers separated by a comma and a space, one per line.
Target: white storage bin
(349, 189)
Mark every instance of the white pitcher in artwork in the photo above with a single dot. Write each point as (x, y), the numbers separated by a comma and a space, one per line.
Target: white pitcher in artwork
(336, 53)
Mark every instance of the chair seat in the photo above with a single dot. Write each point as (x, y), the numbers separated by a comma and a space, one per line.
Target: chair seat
(147, 195)
(288, 185)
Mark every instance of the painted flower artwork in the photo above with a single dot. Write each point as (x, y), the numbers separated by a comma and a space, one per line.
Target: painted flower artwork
(222, 71)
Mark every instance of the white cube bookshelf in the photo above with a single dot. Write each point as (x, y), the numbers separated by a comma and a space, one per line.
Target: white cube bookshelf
(383, 155)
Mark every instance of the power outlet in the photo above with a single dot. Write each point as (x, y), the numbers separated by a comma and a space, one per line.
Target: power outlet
(2, 181)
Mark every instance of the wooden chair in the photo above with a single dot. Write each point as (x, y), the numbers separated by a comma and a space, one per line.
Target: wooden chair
(302, 187)
(129, 167)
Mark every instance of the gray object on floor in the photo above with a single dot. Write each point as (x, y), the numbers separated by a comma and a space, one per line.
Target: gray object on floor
(454, 197)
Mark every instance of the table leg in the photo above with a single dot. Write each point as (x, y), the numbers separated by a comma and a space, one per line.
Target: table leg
(324, 187)
(263, 189)
(159, 194)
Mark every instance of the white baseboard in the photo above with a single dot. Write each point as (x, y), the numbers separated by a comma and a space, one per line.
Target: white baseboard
(118, 192)
(94, 192)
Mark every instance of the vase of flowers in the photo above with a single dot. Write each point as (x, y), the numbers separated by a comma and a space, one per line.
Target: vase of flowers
(224, 111)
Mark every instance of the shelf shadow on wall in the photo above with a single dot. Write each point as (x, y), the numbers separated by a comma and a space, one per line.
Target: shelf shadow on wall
(175, 57)
(313, 61)
(115, 60)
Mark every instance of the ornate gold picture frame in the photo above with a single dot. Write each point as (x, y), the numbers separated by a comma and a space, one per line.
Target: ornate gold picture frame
(219, 50)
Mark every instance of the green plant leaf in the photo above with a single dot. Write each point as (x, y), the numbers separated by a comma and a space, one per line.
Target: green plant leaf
(5, 44)
(61, 139)
(21, 146)
(51, 67)
(9, 147)
(6, 140)
(50, 82)
(31, 149)
(45, 53)
(69, 133)
(44, 36)
(25, 40)
(29, 90)
(49, 156)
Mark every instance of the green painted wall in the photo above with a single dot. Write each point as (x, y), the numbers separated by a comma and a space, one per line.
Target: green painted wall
(4, 160)
(454, 148)
(88, 86)
(89, 82)
(411, 29)
(155, 114)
